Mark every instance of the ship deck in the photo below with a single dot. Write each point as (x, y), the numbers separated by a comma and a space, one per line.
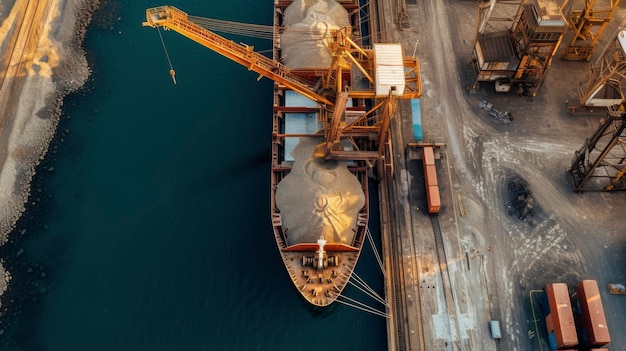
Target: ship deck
(313, 198)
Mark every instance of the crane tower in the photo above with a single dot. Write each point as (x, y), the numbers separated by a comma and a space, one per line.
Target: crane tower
(600, 164)
(373, 77)
(516, 48)
(587, 25)
(603, 86)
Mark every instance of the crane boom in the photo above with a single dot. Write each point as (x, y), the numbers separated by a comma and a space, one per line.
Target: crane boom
(172, 18)
(388, 75)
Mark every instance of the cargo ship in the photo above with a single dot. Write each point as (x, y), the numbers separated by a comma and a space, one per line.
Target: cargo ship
(319, 206)
(333, 102)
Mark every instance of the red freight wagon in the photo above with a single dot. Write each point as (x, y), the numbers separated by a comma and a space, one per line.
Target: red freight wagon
(560, 320)
(589, 315)
(430, 176)
(429, 156)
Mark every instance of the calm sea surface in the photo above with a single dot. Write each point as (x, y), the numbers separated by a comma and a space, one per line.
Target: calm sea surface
(148, 226)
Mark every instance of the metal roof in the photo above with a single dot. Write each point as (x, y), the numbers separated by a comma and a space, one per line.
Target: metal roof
(549, 14)
(497, 47)
(389, 62)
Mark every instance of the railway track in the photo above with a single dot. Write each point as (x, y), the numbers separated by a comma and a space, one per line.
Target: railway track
(396, 325)
(445, 277)
(23, 42)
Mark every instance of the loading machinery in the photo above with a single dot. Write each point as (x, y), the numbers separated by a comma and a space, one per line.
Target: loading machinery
(586, 25)
(600, 164)
(515, 43)
(603, 86)
(353, 74)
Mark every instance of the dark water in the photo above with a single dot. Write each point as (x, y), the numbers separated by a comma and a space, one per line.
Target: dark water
(148, 226)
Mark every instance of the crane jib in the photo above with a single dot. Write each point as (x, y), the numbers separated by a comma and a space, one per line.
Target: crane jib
(177, 20)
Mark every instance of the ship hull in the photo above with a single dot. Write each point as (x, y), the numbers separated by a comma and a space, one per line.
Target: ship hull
(314, 199)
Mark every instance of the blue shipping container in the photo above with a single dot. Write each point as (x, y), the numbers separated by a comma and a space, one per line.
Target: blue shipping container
(417, 120)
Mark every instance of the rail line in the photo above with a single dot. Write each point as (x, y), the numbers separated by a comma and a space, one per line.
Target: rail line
(27, 31)
(395, 284)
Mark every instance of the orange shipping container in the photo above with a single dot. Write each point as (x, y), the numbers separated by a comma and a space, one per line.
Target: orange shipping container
(429, 156)
(430, 175)
(589, 314)
(434, 200)
(430, 178)
(562, 330)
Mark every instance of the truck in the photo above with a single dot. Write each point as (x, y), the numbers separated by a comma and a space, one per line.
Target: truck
(560, 319)
(589, 317)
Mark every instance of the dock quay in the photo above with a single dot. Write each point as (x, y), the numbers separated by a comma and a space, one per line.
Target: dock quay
(426, 265)
(511, 220)
(428, 310)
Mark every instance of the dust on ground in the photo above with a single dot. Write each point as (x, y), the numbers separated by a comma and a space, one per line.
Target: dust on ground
(524, 225)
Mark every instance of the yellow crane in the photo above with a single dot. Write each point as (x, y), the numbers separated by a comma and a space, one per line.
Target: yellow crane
(172, 18)
(330, 90)
(587, 25)
(603, 87)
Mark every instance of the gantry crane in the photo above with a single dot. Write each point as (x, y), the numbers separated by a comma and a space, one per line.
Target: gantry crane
(600, 164)
(329, 89)
(603, 87)
(515, 42)
(587, 25)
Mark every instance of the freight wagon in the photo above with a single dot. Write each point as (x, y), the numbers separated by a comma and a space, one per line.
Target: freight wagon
(589, 315)
(430, 177)
(560, 319)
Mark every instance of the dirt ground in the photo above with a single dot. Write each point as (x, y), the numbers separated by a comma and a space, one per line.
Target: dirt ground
(496, 260)
(41, 62)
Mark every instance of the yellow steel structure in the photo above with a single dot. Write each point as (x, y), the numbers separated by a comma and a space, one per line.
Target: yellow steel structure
(172, 18)
(331, 94)
(587, 25)
(599, 164)
(603, 86)
(345, 54)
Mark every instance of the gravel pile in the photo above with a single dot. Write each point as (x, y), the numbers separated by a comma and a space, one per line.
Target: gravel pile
(307, 25)
(318, 198)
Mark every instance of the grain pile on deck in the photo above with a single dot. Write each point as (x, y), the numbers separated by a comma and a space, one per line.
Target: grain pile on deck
(307, 25)
(318, 198)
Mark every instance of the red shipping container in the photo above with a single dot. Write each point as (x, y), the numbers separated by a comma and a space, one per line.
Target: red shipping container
(434, 201)
(429, 156)
(589, 314)
(430, 178)
(562, 324)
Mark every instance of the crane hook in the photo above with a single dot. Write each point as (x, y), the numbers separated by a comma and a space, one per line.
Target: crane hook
(173, 74)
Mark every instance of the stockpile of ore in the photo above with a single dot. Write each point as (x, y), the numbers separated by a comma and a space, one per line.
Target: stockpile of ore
(307, 27)
(319, 198)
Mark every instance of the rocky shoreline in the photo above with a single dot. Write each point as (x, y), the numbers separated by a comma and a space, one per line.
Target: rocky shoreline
(53, 65)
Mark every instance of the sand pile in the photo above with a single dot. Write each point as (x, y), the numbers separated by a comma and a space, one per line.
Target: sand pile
(307, 25)
(318, 198)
